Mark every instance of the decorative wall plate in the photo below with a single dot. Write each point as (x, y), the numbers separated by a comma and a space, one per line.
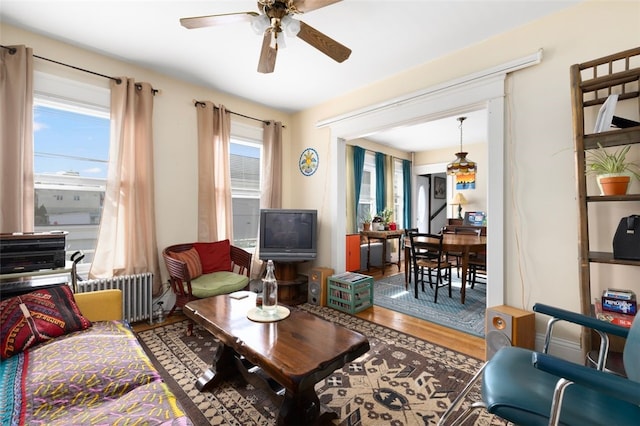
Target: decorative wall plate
(308, 161)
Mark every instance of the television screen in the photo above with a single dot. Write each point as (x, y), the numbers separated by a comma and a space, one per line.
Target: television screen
(288, 234)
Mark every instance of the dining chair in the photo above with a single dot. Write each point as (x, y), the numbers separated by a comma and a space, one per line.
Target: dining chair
(530, 388)
(427, 253)
(407, 250)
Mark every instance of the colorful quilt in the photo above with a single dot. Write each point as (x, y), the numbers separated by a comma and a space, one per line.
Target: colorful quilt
(98, 376)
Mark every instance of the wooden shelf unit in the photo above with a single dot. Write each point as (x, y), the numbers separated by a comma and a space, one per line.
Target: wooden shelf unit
(591, 83)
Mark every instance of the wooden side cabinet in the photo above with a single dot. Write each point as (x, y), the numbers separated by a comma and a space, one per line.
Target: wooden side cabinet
(353, 252)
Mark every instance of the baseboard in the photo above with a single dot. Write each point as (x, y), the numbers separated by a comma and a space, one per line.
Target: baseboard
(562, 348)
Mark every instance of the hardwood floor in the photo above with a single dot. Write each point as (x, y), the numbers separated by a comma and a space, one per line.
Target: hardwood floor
(434, 333)
(443, 336)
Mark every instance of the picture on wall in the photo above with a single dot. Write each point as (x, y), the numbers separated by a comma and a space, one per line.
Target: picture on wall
(466, 181)
(439, 188)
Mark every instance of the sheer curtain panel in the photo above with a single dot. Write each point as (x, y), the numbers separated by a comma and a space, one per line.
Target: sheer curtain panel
(16, 139)
(127, 239)
(214, 174)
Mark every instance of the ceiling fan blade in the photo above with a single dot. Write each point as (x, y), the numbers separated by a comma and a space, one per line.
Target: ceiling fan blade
(309, 5)
(213, 20)
(323, 43)
(268, 54)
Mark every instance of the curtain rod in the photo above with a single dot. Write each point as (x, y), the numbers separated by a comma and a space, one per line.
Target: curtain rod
(12, 50)
(202, 104)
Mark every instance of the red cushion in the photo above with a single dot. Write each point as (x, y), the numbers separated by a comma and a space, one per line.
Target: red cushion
(36, 317)
(215, 256)
(192, 259)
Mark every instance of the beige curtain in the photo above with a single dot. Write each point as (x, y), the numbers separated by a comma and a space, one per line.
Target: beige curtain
(214, 175)
(271, 191)
(388, 183)
(352, 219)
(127, 238)
(16, 139)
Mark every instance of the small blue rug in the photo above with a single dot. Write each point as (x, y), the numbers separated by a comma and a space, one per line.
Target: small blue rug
(389, 293)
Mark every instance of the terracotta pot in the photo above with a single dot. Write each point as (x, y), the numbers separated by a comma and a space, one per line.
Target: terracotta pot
(366, 226)
(614, 185)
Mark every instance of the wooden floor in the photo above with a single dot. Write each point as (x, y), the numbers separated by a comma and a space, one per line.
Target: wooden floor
(443, 336)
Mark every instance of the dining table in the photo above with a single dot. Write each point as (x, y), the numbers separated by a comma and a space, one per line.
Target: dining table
(460, 243)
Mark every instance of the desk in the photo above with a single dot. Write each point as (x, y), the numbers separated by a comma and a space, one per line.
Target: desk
(461, 243)
(383, 236)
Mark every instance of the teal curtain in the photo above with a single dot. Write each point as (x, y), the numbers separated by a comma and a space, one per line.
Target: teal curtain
(406, 189)
(380, 178)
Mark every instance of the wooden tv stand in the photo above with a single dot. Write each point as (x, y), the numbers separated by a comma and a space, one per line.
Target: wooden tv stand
(292, 288)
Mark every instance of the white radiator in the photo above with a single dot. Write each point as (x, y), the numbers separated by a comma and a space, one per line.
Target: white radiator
(137, 301)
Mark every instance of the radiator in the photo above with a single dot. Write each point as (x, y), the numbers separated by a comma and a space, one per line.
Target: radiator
(137, 301)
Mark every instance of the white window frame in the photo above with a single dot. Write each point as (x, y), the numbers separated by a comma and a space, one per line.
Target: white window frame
(61, 93)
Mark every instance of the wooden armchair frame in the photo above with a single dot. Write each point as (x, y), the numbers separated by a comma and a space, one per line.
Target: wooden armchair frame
(180, 280)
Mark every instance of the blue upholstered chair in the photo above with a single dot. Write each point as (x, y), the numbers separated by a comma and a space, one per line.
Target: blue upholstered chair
(531, 388)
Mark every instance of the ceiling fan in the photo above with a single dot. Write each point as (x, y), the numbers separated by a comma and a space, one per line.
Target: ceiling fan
(274, 20)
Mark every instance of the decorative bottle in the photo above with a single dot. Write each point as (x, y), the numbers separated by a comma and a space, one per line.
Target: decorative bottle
(270, 290)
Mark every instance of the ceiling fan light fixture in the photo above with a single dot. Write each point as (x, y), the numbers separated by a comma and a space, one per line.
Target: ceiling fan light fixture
(291, 26)
(260, 23)
(277, 40)
(461, 164)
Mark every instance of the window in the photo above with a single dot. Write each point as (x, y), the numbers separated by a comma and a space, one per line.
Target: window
(367, 201)
(71, 150)
(245, 154)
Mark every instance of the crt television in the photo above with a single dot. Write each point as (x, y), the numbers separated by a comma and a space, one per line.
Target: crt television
(288, 234)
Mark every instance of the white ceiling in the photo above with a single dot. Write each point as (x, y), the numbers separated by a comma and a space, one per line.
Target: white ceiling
(386, 37)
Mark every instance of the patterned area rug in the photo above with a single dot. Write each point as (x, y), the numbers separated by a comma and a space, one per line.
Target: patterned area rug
(389, 293)
(402, 380)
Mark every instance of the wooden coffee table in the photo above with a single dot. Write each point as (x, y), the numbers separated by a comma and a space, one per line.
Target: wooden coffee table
(290, 356)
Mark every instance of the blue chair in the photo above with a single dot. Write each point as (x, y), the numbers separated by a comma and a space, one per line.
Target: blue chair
(532, 388)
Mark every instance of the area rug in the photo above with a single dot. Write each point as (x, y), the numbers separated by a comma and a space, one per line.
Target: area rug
(402, 380)
(389, 292)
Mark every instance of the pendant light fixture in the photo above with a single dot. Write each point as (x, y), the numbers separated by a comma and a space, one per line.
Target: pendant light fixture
(461, 164)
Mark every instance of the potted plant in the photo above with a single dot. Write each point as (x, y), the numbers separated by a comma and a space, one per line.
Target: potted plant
(386, 216)
(612, 170)
(366, 221)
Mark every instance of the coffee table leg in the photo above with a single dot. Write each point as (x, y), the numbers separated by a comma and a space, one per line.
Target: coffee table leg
(222, 366)
(303, 408)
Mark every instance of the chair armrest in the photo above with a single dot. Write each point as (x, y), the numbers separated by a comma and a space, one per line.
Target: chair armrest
(100, 305)
(241, 259)
(583, 320)
(607, 383)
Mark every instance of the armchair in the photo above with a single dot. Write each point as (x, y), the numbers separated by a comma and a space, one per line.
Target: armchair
(199, 270)
(531, 388)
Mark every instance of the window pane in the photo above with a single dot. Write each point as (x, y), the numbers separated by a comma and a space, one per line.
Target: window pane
(71, 152)
(245, 192)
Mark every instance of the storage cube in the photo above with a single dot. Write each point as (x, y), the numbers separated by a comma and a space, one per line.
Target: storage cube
(350, 292)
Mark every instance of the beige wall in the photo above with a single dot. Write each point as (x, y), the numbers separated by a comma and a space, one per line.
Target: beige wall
(540, 208)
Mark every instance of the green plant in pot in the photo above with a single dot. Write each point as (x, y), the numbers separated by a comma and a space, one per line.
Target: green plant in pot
(612, 169)
(366, 221)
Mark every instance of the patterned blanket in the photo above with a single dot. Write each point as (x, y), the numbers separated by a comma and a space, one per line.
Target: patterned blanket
(96, 376)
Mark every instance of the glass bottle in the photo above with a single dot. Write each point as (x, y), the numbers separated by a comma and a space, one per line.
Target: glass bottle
(270, 290)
